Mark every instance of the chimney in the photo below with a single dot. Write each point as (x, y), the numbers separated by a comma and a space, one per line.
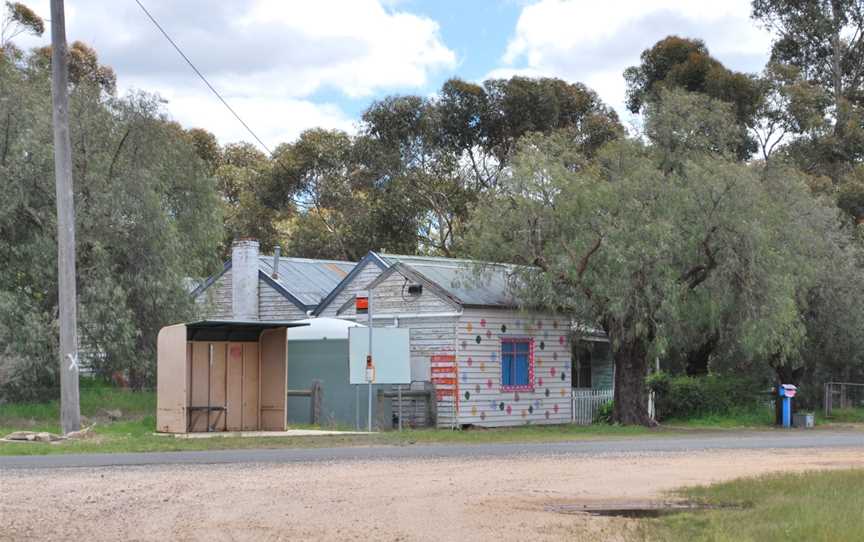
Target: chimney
(244, 279)
(276, 254)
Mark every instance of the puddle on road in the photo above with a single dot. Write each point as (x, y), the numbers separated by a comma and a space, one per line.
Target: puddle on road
(645, 509)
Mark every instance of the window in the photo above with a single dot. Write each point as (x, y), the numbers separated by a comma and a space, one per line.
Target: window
(517, 364)
(592, 364)
(582, 365)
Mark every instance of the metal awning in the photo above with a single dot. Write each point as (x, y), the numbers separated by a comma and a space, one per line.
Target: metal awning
(232, 330)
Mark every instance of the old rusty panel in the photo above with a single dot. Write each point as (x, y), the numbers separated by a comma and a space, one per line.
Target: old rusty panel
(234, 414)
(218, 383)
(274, 374)
(199, 382)
(249, 412)
(171, 379)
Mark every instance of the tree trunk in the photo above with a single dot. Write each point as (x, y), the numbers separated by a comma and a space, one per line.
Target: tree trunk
(631, 395)
(697, 359)
(841, 158)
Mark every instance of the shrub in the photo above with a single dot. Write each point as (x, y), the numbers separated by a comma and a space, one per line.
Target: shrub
(604, 413)
(690, 396)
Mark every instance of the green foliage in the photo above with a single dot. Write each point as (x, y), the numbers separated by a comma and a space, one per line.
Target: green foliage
(96, 397)
(822, 40)
(18, 19)
(664, 245)
(408, 181)
(604, 413)
(84, 66)
(147, 221)
(683, 397)
(847, 415)
(685, 64)
(772, 508)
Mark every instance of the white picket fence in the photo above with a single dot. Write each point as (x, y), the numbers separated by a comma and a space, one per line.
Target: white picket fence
(586, 402)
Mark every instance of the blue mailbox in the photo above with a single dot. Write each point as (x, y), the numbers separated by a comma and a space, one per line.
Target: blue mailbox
(787, 392)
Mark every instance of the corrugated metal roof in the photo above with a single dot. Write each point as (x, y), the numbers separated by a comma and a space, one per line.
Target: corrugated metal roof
(469, 281)
(306, 279)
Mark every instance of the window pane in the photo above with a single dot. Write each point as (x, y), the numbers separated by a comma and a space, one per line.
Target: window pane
(521, 370)
(506, 369)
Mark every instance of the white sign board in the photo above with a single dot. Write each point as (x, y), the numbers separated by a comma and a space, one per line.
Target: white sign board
(390, 355)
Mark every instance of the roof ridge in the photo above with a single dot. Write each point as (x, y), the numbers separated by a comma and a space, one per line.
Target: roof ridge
(298, 259)
(443, 259)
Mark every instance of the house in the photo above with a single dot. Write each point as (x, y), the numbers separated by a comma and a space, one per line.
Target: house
(510, 366)
(491, 362)
(268, 288)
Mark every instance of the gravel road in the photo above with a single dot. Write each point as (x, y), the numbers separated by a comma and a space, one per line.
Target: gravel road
(501, 498)
(725, 440)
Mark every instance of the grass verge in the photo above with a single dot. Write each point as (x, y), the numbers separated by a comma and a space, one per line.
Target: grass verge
(846, 415)
(134, 432)
(137, 436)
(759, 417)
(813, 506)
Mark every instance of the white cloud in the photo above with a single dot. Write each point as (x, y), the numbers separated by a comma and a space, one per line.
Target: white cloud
(270, 59)
(274, 120)
(593, 42)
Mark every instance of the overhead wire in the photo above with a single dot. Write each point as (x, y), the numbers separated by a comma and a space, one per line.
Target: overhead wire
(203, 78)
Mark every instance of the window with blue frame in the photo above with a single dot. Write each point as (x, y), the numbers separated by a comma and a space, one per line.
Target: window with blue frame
(517, 364)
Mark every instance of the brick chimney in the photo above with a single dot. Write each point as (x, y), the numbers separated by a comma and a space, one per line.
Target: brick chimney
(244, 279)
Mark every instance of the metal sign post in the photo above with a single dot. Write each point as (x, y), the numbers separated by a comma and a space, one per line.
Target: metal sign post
(370, 369)
(363, 303)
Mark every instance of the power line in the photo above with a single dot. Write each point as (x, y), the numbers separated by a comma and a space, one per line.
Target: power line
(201, 75)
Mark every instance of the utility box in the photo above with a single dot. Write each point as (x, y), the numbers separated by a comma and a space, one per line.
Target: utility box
(217, 375)
(804, 420)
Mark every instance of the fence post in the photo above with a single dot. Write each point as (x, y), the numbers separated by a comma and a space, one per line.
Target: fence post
(315, 402)
(826, 402)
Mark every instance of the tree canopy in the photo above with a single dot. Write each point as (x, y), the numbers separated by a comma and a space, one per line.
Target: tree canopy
(658, 245)
(147, 221)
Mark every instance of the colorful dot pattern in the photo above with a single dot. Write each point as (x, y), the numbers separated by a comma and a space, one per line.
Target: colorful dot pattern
(482, 401)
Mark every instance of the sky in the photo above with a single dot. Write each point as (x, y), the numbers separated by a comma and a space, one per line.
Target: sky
(290, 65)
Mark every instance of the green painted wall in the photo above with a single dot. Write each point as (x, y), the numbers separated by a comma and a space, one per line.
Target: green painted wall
(327, 361)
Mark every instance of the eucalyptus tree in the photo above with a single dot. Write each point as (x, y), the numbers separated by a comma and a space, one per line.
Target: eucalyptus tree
(643, 240)
(148, 220)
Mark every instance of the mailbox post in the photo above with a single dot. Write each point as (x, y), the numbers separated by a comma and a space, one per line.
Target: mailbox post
(786, 393)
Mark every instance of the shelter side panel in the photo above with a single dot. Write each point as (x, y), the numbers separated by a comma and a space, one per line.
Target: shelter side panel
(234, 397)
(273, 377)
(218, 386)
(199, 382)
(173, 353)
(250, 411)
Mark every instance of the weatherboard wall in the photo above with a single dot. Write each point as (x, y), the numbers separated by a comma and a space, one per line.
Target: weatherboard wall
(273, 306)
(482, 399)
(359, 282)
(215, 302)
(430, 319)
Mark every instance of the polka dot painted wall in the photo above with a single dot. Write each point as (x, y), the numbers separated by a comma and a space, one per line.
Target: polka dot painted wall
(483, 401)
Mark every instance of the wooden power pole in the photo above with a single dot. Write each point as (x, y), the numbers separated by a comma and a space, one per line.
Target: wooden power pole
(70, 411)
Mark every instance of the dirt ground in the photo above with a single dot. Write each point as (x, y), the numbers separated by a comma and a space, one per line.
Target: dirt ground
(473, 499)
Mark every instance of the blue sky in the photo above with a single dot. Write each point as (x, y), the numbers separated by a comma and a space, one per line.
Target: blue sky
(291, 65)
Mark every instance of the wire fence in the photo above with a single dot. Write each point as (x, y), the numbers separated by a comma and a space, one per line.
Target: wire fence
(842, 396)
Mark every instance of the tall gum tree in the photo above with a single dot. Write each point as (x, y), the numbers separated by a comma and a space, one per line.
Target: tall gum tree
(625, 241)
